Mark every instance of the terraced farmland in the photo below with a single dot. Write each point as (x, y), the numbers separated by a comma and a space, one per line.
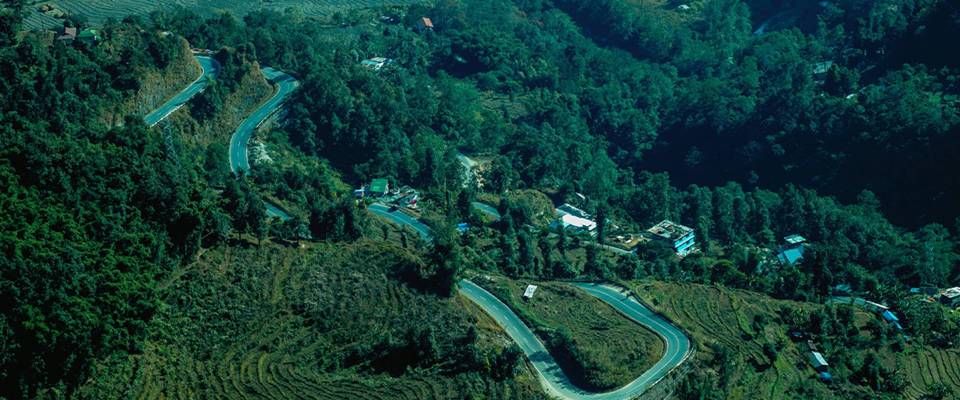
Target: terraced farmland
(97, 11)
(924, 367)
(319, 323)
(725, 316)
(715, 315)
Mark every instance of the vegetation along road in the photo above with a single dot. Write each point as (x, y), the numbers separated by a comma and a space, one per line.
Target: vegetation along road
(676, 343)
(210, 69)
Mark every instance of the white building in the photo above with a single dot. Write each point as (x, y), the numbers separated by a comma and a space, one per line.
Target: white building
(528, 293)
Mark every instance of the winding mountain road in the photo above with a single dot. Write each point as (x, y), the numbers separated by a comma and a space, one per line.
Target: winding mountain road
(239, 155)
(676, 344)
(553, 379)
(210, 69)
(238, 141)
(401, 219)
(555, 382)
(486, 209)
(239, 158)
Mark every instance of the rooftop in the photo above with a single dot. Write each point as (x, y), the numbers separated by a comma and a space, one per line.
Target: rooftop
(572, 220)
(528, 293)
(669, 230)
(375, 63)
(791, 255)
(379, 185)
(817, 360)
(567, 209)
(795, 239)
(951, 293)
(822, 67)
(427, 23)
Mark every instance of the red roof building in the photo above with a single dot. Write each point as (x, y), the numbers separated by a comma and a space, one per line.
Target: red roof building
(424, 24)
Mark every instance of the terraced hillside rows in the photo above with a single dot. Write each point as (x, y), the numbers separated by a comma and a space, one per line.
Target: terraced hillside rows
(319, 323)
(98, 11)
(929, 366)
(715, 315)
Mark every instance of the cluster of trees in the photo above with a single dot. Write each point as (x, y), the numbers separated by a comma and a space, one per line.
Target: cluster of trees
(97, 211)
(93, 213)
(573, 96)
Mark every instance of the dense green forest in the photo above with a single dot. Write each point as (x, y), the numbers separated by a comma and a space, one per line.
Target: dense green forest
(842, 126)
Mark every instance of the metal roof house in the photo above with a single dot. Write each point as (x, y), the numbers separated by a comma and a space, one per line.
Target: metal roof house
(67, 34)
(375, 63)
(951, 297)
(679, 236)
(571, 217)
(568, 221)
(792, 252)
(817, 361)
(528, 292)
(825, 377)
(566, 208)
(379, 186)
(89, 36)
(424, 24)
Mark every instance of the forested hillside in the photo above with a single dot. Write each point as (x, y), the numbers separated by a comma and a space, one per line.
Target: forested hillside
(128, 250)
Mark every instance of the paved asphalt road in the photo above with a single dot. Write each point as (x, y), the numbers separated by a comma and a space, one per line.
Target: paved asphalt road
(487, 209)
(401, 219)
(238, 142)
(552, 377)
(210, 70)
(554, 381)
(275, 212)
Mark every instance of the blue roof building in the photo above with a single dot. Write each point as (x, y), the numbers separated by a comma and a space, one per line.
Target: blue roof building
(791, 252)
(825, 377)
(889, 316)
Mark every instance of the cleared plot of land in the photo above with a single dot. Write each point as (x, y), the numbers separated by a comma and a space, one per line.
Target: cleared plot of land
(325, 322)
(614, 350)
(98, 11)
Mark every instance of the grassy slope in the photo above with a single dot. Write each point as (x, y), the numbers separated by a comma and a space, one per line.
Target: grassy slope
(717, 315)
(277, 322)
(616, 349)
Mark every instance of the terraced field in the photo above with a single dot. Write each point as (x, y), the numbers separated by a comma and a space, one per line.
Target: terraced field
(924, 367)
(98, 11)
(714, 315)
(725, 316)
(317, 323)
